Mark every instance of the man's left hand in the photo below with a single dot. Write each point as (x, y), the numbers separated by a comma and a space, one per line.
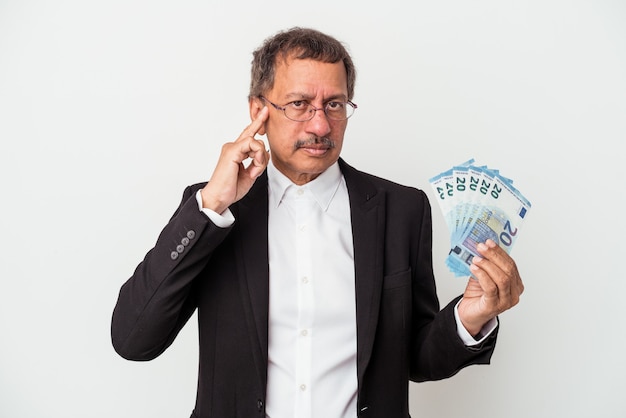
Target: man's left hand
(497, 287)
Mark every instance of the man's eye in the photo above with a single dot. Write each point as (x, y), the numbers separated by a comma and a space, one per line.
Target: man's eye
(334, 105)
(298, 104)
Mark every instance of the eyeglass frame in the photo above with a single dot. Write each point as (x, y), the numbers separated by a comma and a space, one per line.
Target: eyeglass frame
(315, 109)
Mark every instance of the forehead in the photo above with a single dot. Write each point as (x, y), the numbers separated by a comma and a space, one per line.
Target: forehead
(309, 77)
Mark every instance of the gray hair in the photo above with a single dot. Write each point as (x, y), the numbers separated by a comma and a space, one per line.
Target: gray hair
(300, 43)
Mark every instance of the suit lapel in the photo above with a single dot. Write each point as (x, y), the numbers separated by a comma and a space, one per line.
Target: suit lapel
(367, 211)
(251, 214)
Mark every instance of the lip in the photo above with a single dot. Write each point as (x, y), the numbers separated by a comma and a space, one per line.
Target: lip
(315, 150)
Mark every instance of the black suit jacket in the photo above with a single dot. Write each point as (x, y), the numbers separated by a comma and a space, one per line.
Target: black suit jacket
(223, 273)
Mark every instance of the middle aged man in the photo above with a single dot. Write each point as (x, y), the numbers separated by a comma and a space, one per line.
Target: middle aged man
(313, 281)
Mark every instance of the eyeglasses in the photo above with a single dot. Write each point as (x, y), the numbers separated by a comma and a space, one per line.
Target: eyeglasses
(301, 111)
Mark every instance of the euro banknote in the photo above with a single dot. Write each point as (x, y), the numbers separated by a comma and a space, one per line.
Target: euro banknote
(478, 203)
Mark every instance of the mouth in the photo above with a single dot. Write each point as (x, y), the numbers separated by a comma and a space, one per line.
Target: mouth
(315, 151)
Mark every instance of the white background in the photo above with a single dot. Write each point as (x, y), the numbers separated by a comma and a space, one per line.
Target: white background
(108, 109)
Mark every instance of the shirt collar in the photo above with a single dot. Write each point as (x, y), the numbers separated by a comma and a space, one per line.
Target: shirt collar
(323, 187)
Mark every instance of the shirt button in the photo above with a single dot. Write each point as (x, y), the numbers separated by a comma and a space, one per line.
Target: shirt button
(304, 333)
(300, 192)
(305, 280)
(302, 228)
(302, 388)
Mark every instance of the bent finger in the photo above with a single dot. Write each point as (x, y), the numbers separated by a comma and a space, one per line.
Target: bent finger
(498, 256)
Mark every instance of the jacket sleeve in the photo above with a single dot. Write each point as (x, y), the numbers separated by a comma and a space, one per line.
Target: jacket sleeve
(156, 302)
(437, 351)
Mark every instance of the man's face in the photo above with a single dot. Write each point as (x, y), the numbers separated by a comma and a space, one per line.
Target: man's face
(301, 150)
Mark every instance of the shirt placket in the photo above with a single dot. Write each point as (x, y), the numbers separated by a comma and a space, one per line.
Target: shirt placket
(306, 306)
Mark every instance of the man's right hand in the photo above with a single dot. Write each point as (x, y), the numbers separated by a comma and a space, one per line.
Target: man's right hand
(231, 180)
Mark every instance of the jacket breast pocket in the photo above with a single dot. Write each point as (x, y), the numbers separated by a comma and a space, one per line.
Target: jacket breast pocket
(397, 280)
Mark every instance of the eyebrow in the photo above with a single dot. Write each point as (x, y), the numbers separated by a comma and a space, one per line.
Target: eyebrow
(308, 97)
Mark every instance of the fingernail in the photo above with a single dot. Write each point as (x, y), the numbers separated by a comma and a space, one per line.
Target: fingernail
(481, 246)
(491, 243)
(476, 259)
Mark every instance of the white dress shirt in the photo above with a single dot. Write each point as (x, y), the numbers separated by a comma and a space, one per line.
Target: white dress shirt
(312, 308)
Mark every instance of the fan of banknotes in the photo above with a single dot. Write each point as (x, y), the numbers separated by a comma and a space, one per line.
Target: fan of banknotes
(478, 203)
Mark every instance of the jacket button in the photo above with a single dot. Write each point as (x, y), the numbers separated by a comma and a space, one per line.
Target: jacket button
(191, 234)
(180, 248)
(174, 255)
(259, 405)
(185, 241)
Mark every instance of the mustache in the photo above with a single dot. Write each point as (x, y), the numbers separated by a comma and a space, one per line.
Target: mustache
(314, 141)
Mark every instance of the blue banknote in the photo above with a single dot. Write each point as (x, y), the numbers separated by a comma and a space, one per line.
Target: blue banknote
(478, 203)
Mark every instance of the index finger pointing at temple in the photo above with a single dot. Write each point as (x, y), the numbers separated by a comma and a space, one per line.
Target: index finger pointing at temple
(254, 127)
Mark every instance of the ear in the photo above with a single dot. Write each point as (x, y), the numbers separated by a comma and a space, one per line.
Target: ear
(256, 104)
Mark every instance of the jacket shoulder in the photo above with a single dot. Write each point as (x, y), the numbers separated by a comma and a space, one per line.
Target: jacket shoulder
(372, 182)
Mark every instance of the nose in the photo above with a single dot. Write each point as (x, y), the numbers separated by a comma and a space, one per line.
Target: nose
(319, 125)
